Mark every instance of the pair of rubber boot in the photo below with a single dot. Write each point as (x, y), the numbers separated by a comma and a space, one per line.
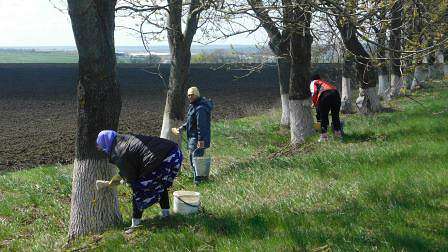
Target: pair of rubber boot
(338, 134)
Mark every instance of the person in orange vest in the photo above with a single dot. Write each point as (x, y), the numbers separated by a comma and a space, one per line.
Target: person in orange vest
(326, 98)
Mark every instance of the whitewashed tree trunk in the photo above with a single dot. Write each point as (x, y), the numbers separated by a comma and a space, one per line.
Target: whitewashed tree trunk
(285, 110)
(180, 50)
(368, 101)
(396, 83)
(346, 94)
(283, 69)
(440, 64)
(407, 80)
(383, 85)
(439, 57)
(301, 120)
(365, 70)
(90, 209)
(420, 77)
(167, 124)
(98, 108)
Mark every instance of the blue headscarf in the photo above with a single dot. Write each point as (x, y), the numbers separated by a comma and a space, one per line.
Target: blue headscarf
(105, 140)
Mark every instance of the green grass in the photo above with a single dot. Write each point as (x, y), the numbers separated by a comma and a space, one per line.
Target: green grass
(384, 188)
(29, 56)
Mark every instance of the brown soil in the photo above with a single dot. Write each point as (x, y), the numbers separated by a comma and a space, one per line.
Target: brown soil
(38, 106)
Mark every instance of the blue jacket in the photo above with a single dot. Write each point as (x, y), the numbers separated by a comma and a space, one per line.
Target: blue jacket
(198, 122)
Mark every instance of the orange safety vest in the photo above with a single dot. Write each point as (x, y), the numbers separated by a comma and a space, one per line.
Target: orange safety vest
(320, 86)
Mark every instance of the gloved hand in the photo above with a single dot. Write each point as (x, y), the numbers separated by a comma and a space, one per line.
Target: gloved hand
(101, 184)
(116, 180)
(175, 131)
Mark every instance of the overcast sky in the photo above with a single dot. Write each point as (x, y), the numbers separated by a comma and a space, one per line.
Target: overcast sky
(39, 23)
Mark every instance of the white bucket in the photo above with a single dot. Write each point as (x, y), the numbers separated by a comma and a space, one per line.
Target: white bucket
(186, 202)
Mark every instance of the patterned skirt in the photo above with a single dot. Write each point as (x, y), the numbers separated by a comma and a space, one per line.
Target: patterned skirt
(148, 190)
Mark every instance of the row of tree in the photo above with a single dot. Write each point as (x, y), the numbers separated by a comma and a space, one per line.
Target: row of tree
(375, 37)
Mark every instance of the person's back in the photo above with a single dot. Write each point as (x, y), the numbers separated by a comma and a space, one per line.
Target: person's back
(326, 98)
(148, 164)
(138, 155)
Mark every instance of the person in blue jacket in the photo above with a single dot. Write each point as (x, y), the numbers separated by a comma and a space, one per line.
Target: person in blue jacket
(197, 125)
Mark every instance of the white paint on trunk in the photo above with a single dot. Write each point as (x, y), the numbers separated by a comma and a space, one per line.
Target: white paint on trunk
(407, 80)
(92, 210)
(301, 120)
(445, 70)
(166, 133)
(368, 101)
(285, 110)
(167, 124)
(420, 77)
(396, 83)
(439, 57)
(346, 94)
(440, 66)
(383, 85)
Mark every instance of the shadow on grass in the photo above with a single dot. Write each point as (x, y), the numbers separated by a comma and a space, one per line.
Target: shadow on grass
(359, 137)
(303, 230)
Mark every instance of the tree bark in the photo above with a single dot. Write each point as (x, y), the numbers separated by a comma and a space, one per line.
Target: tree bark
(440, 64)
(301, 120)
(420, 76)
(346, 92)
(180, 45)
(99, 106)
(174, 112)
(279, 44)
(284, 67)
(383, 78)
(396, 80)
(445, 64)
(365, 71)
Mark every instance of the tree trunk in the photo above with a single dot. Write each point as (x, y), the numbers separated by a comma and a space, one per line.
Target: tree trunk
(445, 64)
(279, 44)
(383, 83)
(346, 92)
(99, 106)
(301, 120)
(284, 67)
(368, 101)
(439, 64)
(180, 44)
(174, 112)
(396, 81)
(420, 76)
(365, 72)
(383, 72)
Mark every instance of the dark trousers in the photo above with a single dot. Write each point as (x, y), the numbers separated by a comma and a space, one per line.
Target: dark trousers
(164, 204)
(329, 101)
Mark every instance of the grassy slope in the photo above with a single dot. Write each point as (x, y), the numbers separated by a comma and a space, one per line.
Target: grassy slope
(384, 188)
